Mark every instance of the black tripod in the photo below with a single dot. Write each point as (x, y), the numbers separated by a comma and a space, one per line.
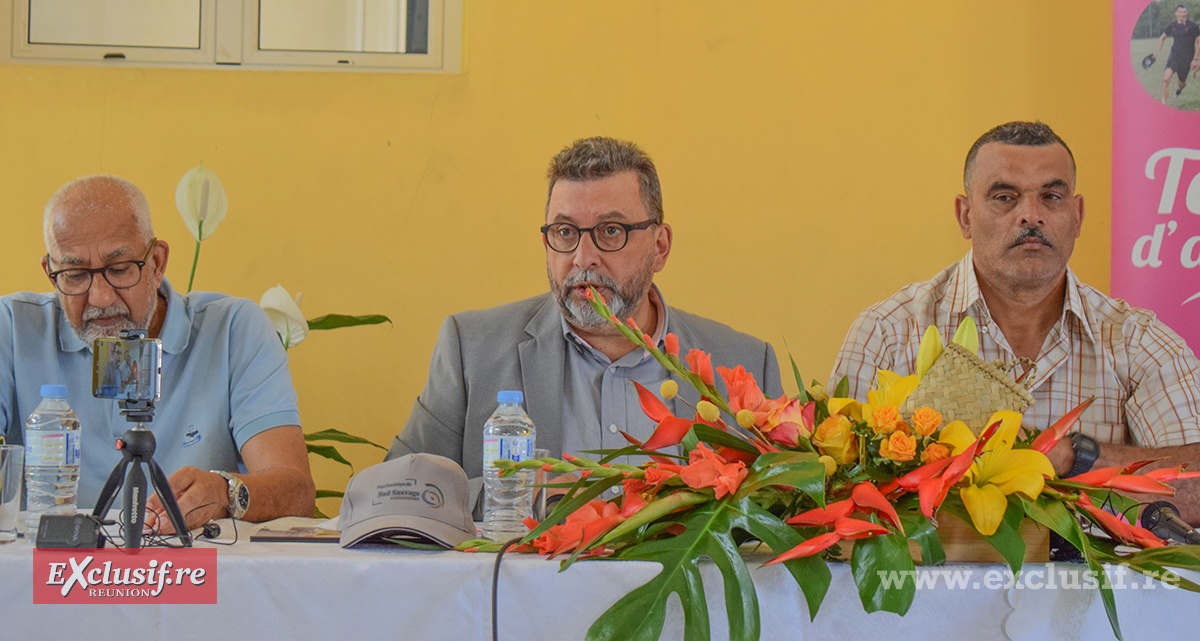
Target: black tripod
(137, 448)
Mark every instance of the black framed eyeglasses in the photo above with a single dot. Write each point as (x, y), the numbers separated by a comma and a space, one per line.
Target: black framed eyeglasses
(607, 237)
(77, 281)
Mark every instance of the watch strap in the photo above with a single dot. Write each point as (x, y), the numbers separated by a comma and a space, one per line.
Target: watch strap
(236, 506)
(1087, 450)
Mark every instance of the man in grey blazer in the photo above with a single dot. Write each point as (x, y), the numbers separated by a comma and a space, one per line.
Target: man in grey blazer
(604, 229)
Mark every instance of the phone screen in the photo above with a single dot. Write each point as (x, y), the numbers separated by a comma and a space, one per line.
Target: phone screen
(127, 369)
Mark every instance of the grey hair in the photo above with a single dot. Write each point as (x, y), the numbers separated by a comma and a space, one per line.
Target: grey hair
(133, 197)
(1017, 132)
(600, 157)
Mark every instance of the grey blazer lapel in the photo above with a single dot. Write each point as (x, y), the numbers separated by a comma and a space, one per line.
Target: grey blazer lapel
(542, 361)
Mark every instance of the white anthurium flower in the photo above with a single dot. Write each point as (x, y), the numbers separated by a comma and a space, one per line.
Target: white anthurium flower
(201, 200)
(285, 315)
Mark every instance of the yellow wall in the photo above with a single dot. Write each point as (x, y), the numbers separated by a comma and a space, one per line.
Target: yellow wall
(809, 154)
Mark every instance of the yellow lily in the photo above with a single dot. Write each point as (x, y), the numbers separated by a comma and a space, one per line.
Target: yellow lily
(1000, 471)
(967, 335)
(847, 407)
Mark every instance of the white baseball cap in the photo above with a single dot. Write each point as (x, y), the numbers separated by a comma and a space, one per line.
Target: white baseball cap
(420, 497)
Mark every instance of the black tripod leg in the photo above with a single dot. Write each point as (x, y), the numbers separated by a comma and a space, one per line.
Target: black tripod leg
(135, 505)
(167, 497)
(111, 486)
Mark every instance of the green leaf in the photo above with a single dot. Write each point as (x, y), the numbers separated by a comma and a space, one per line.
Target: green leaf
(329, 452)
(811, 573)
(874, 561)
(1106, 593)
(803, 395)
(334, 321)
(800, 470)
(708, 532)
(717, 438)
(330, 494)
(843, 388)
(919, 529)
(340, 437)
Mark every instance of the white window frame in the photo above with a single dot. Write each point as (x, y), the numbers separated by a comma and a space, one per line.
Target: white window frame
(229, 40)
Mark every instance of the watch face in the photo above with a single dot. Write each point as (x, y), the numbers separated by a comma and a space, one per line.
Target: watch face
(243, 497)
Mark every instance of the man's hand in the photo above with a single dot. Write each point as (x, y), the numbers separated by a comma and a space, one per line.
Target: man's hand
(202, 497)
(1062, 456)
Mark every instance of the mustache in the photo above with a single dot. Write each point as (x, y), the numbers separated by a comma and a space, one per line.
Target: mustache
(116, 309)
(589, 276)
(1032, 232)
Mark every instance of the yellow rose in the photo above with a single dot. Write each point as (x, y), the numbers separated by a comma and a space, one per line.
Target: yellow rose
(834, 438)
(926, 421)
(885, 419)
(899, 447)
(934, 452)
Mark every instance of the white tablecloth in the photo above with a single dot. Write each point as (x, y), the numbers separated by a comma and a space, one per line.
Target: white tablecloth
(323, 592)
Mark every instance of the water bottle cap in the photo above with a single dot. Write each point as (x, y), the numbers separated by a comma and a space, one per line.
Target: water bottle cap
(510, 396)
(54, 391)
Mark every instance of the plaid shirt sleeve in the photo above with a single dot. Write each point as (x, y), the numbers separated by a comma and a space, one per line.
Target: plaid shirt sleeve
(1163, 407)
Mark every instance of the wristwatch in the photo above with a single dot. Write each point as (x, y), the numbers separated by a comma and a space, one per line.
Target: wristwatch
(239, 494)
(1087, 450)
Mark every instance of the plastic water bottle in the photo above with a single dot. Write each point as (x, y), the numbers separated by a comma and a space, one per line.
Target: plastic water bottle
(51, 458)
(508, 434)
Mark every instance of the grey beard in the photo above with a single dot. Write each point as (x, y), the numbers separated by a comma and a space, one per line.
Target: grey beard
(88, 333)
(621, 301)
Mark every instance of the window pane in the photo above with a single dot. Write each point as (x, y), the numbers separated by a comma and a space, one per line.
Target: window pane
(116, 23)
(375, 26)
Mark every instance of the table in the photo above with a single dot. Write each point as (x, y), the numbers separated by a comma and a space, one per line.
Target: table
(323, 592)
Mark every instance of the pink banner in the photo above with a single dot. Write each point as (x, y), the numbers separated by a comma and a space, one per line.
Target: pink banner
(1156, 161)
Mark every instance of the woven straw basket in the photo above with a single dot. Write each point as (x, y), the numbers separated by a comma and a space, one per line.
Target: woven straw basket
(964, 388)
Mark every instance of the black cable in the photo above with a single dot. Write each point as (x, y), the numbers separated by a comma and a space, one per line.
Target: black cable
(495, 585)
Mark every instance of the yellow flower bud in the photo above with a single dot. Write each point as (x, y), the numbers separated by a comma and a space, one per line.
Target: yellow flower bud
(669, 389)
(817, 392)
(708, 411)
(745, 419)
(830, 464)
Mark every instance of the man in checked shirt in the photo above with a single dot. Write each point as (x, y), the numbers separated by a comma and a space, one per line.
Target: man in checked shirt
(1022, 216)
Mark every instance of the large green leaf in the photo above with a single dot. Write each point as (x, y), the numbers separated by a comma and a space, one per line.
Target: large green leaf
(874, 561)
(801, 470)
(340, 437)
(708, 532)
(919, 529)
(330, 494)
(334, 321)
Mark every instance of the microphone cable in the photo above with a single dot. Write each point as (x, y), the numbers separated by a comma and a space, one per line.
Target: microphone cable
(495, 586)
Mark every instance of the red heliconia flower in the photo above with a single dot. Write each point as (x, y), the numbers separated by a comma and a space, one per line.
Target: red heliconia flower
(848, 528)
(1168, 474)
(1050, 437)
(1118, 527)
(823, 516)
(810, 547)
(866, 495)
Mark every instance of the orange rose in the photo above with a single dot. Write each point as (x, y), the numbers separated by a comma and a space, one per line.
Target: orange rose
(899, 447)
(934, 452)
(926, 421)
(834, 438)
(885, 419)
(707, 469)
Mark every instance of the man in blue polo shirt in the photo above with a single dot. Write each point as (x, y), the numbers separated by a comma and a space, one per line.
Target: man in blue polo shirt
(227, 398)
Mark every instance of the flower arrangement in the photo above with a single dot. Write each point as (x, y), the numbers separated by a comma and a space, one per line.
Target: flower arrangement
(803, 475)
